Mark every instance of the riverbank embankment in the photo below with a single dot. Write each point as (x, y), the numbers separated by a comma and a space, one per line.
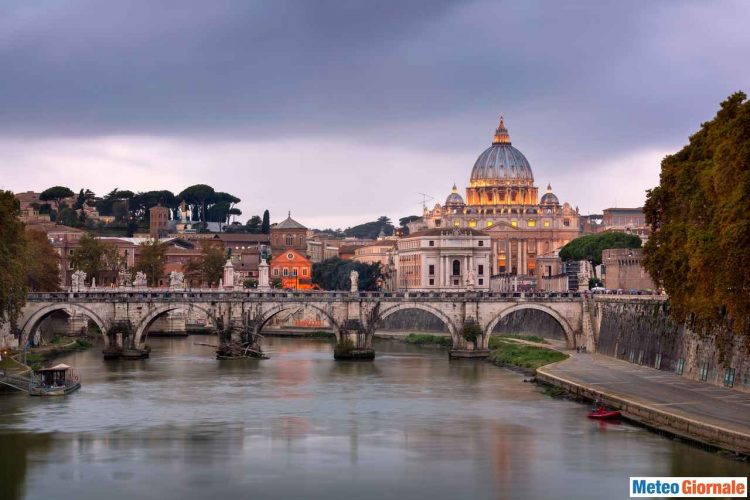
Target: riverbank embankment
(710, 415)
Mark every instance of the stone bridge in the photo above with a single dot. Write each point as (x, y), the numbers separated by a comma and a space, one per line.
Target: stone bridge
(124, 317)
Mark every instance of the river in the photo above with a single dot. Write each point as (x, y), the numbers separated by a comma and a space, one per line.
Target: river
(411, 424)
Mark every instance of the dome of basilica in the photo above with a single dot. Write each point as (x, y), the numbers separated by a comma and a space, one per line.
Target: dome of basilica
(454, 199)
(501, 161)
(549, 197)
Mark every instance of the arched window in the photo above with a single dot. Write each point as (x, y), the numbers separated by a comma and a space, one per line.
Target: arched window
(456, 267)
(289, 239)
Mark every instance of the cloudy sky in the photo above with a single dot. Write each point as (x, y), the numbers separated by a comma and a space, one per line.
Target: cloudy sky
(341, 111)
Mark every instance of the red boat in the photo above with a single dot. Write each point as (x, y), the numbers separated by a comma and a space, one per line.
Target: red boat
(602, 413)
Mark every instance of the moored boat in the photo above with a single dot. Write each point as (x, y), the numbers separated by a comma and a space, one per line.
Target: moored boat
(58, 380)
(602, 413)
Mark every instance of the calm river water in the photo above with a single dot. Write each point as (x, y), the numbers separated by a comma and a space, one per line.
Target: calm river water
(299, 425)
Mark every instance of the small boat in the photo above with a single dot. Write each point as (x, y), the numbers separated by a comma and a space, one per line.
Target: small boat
(58, 380)
(601, 413)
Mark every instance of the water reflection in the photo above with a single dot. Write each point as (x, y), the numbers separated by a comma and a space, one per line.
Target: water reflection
(410, 425)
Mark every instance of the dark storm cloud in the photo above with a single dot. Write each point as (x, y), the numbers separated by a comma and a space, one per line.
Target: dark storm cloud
(357, 67)
(580, 83)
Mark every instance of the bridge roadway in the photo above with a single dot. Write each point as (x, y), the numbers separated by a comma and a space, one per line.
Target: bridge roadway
(124, 315)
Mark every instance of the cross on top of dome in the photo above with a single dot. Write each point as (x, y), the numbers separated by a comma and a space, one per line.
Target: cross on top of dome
(501, 133)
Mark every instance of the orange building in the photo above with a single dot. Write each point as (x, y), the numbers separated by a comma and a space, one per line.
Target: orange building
(293, 269)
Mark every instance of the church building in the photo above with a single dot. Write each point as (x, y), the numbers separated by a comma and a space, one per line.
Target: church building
(502, 201)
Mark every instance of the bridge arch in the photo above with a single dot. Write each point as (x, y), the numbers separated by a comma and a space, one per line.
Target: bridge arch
(141, 330)
(32, 323)
(266, 316)
(422, 307)
(569, 333)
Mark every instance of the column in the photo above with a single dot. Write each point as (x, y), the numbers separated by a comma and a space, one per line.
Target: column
(508, 256)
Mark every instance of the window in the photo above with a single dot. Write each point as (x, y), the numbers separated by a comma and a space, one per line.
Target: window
(729, 377)
(546, 223)
(481, 281)
(294, 271)
(472, 223)
(455, 282)
(456, 268)
(290, 256)
(481, 243)
(703, 373)
(514, 223)
(566, 222)
(456, 223)
(286, 271)
(489, 223)
(289, 239)
(431, 268)
(276, 272)
(480, 269)
(304, 271)
(680, 366)
(432, 281)
(432, 243)
(531, 223)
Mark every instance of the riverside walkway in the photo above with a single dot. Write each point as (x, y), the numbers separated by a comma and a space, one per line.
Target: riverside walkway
(662, 400)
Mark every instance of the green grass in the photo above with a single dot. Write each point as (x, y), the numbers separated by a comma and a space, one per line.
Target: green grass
(83, 344)
(523, 356)
(319, 335)
(10, 364)
(496, 340)
(426, 339)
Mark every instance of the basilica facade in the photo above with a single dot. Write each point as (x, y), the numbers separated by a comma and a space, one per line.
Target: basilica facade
(503, 201)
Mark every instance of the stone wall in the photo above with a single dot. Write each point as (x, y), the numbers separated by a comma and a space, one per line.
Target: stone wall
(640, 331)
(530, 322)
(413, 321)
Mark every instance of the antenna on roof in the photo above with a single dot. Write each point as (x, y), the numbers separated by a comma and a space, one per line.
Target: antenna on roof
(425, 199)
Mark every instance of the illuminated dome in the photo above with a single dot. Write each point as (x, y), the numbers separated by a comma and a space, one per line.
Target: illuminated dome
(454, 199)
(501, 161)
(549, 197)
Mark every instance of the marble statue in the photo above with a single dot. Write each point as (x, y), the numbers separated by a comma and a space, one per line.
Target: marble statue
(471, 280)
(176, 280)
(78, 281)
(354, 277)
(140, 279)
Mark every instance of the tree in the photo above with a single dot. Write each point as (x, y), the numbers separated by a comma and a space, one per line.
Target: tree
(209, 267)
(41, 263)
(56, 194)
(700, 220)
(590, 247)
(89, 256)
(334, 274)
(265, 227)
(13, 285)
(254, 225)
(68, 217)
(371, 230)
(151, 260)
(198, 195)
(80, 201)
(112, 262)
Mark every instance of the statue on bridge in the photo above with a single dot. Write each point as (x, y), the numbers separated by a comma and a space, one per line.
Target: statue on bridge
(354, 278)
(78, 281)
(123, 278)
(140, 280)
(176, 280)
(471, 280)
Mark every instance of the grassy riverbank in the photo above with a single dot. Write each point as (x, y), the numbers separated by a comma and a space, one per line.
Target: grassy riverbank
(526, 357)
(427, 339)
(37, 357)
